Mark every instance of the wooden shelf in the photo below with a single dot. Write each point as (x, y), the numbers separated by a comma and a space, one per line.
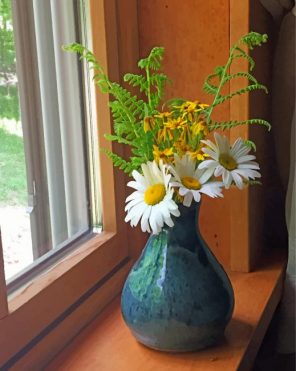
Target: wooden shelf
(107, 345)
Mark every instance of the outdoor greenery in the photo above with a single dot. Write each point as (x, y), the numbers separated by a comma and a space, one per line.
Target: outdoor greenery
(9, 107)
(12, 170)
(12, 161)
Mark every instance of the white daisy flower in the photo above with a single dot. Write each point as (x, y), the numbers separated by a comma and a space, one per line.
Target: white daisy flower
(232, 162)
(152, 201)
(192, 181)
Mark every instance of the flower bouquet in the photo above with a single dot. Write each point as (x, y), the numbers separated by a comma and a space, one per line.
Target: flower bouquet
(177, 296)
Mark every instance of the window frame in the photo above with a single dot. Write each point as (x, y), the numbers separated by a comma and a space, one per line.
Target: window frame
(93, 274)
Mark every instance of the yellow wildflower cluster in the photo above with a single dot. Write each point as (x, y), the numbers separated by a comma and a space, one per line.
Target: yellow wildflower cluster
(178, 130)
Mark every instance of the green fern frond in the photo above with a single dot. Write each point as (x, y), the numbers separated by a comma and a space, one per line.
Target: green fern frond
(122, 164)
(247, 89)
(240, 53)
(208, 87)
(219, 70)
(85, 54)
(118, 139)
(127, 110)
(159, 81)
(252, 182)
(230, 124)
(154, 59)
(136, 81)
(251, 144)
(118, 161)
(222, 75)
(254, 39)
(242, 74)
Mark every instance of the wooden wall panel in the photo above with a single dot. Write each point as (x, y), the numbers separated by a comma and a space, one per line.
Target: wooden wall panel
(128, 53)
(267, 224)
(251, 209)
(195, 34)
(239, 110)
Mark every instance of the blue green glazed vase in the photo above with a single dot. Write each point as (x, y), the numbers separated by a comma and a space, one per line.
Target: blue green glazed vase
(177, 297)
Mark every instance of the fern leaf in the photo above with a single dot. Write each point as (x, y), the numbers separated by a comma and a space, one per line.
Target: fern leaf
(230, 124)
(159, 81)
(153, 61)
(251, 144)
(136, 80)
(254, 39)
(208, 87)
(241, 74)
(118, 139)
(240, 53)
(252, 182)
(122, 164)
(247, 89)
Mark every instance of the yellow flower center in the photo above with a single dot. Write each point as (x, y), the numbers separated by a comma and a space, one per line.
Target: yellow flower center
(154, 194)
(227, 161)
(191, 183)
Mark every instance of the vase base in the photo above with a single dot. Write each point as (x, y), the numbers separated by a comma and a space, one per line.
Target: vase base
(180, 348)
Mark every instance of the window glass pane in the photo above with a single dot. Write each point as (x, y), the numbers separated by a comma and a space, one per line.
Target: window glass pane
(46, 206)
(14, 220)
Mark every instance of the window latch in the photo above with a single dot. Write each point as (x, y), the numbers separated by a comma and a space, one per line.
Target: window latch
(31, 200)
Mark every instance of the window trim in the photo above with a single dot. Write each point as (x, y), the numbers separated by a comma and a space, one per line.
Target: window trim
(111, 251)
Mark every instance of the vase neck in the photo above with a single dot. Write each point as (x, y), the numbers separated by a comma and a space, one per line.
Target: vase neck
(188, 215)
(184, 232)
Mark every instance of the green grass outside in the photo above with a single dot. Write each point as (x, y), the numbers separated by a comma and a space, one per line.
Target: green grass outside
(13, 188)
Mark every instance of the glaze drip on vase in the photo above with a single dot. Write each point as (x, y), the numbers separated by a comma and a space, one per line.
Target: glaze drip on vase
(177, 296)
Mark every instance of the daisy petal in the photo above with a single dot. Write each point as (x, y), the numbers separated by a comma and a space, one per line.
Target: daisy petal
(196, 196)
(208, 164)
(145, 219)
(136, 185)
(237, 180)
(211, 153)
(188, 199)
(245, 158)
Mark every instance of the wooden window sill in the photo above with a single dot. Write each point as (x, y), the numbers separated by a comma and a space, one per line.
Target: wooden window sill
(107, 345)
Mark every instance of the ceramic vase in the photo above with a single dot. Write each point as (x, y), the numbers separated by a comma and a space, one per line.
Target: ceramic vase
(177, 297)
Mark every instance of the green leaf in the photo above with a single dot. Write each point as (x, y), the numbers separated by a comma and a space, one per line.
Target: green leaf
(251, 144)
(240, 53)
(153, 61)
(223, 125)
(208, 87)
(118, 139)
(136, 80)
(246, 75)
(254, 39)
(247, 89)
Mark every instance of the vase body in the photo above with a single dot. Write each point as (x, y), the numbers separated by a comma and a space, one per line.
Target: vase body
(177, 297)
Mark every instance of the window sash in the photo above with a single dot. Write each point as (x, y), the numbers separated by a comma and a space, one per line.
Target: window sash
(30, 105)
(62, 119)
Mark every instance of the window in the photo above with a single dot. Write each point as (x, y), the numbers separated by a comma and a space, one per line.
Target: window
(53, 122)
(82, 281)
